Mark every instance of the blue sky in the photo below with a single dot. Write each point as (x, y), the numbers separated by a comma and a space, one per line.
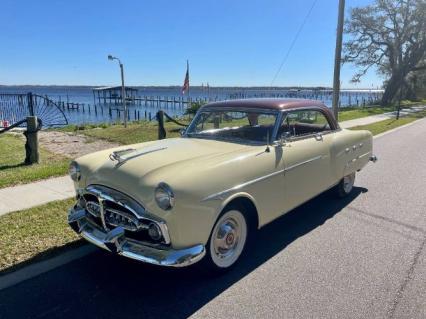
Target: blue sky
(228, 43)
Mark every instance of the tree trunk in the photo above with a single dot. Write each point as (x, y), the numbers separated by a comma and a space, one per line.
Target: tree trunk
(391, 89)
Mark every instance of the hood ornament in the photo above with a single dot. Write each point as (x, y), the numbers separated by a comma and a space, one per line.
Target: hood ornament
(117, 155)
(123, 156)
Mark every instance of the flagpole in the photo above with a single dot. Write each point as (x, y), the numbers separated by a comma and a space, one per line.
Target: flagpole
(189, 97)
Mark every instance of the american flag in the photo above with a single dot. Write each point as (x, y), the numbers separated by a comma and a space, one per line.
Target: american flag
(185, 86)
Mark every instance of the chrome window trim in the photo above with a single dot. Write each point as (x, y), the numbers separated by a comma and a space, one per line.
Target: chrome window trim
(307, 108)
(240, 109)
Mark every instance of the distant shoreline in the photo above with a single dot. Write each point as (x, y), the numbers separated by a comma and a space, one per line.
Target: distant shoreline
(197, 87)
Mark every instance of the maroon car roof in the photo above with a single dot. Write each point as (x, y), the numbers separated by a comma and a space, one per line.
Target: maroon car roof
(269, 103)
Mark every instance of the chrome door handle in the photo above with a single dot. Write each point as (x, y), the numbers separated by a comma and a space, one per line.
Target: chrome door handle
(318, 137)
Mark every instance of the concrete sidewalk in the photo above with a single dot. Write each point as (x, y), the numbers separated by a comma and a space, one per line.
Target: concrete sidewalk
(34, 194)
(59, 188)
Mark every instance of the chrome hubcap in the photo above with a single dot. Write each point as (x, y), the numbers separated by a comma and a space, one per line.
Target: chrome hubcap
(348, 182)
(228, 238)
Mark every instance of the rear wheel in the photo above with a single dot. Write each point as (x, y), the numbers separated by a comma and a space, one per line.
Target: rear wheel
(227, 240)
(346, 185)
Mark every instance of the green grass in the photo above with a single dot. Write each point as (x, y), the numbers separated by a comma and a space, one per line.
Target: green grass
(35, 234)
(12, 168)
(139, 132)
(386, 125)
(359, 112)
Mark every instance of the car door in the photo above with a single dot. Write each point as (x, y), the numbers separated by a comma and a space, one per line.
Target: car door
(306, 155)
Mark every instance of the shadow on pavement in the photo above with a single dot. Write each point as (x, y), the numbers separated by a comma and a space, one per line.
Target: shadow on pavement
(42, 256)
(104, 286)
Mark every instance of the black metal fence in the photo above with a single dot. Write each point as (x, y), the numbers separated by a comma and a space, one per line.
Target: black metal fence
(16, 107)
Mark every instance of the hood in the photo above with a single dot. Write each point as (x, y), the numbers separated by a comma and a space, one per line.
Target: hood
(170, 160)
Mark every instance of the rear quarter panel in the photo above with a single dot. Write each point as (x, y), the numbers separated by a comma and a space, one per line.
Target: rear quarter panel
(350, 152)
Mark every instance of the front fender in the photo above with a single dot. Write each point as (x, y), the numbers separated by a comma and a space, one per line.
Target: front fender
(232, 197)
(191, 222)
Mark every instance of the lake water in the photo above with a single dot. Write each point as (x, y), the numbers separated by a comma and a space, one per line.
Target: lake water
(84, 95)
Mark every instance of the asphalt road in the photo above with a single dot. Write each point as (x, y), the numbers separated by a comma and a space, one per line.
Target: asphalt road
(362, 257)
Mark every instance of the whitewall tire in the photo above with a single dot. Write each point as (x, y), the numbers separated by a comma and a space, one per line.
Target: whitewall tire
(227, 240)
(346, 185)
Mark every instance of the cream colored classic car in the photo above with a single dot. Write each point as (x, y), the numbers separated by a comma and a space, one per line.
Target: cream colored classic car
(238, 166)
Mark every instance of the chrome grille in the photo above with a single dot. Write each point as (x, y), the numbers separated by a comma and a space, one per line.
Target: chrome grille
(109, 209)
(93, 208)
(108, 214)
(116, 218)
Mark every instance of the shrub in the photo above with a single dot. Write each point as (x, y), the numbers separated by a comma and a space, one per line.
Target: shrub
(194, 107)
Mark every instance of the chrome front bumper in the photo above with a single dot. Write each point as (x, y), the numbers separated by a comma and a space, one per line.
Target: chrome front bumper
(115, 241)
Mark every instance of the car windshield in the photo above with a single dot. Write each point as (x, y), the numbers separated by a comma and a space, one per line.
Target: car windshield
(251, 126)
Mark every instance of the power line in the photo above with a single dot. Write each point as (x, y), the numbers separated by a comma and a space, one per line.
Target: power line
(293, 42)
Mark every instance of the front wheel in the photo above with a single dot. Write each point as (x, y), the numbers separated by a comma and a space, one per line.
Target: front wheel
(227, 240)
(346, 185)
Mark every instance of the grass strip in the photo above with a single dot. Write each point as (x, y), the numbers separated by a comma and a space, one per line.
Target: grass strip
(35, 234)
(386, 125)
(136, 132)
(13, 170)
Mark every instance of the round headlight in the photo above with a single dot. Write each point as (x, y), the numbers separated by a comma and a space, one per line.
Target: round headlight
(74, 171)
(164, 196)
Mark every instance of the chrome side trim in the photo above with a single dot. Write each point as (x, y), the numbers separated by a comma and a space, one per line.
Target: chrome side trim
(289, 168)
(237, 187)
(220, 194)
(363, 155)
(349, 163)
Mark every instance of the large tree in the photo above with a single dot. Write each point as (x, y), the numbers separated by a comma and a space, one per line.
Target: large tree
(389, 35)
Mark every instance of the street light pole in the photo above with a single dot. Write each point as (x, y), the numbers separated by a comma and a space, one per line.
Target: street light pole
(337, 59)
(123, 89)
(123, 94)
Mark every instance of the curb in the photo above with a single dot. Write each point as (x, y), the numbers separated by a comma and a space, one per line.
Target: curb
(44, 266)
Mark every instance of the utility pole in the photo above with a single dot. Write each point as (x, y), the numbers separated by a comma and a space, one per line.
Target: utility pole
(338, 58)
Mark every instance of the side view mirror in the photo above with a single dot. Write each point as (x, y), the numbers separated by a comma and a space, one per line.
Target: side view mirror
(182, 132)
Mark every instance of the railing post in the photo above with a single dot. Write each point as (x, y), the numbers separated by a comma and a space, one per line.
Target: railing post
(31, 146)
(161, 130)
(30, 104)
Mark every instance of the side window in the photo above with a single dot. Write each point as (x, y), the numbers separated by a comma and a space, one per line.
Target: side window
(303, 122)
